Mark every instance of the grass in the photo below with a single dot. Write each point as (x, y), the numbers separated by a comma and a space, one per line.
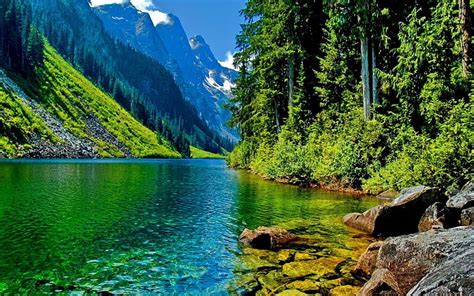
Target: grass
(198, 153)
(71, 97)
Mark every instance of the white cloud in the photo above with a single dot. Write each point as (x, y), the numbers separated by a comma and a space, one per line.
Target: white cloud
(147, 6)
(157, 16)
(229, 61)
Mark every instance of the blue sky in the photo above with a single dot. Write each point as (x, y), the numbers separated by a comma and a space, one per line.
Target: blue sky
(218, 21)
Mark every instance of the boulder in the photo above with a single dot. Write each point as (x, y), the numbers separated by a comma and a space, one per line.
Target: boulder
(409, 258)
(268, 238)
(367, 221)
(463, 199)
(434, 217)
(366, 263)
(452, 277)
(388, 195)
(399, 217)
(467, 217)
(383, 282)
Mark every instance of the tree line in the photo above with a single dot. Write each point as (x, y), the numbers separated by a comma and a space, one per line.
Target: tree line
(362, 93)
(141, 85)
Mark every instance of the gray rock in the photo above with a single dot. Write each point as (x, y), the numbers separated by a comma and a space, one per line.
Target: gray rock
(434, 217)
(463, 199)
(401, 216)
(366, 263)
(409, 258)
(452, 277)
(467, 217)
(382, 282)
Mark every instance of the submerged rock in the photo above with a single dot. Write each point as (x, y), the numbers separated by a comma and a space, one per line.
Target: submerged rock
(434, 217)
(268, 238)
(344, 291)
(320, 267)
(405, 260)
(291, 293)
(307, 286)
(400, 217)
(366, 263)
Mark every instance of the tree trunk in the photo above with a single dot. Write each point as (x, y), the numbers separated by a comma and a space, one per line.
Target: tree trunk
(291, 81)
(375, 97)
(466, 27)
(366, 92)
(277, 116)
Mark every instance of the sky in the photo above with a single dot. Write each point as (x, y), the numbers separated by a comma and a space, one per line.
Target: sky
(218, 21)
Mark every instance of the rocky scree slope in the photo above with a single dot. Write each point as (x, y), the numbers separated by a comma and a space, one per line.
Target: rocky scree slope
(61, 114)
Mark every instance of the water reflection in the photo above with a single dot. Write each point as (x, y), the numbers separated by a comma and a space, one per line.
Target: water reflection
(166, 226)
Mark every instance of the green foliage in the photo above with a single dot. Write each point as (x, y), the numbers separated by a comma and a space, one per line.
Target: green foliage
(421, 131)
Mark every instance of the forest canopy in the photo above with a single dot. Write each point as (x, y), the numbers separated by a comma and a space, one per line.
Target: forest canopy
(371, 95)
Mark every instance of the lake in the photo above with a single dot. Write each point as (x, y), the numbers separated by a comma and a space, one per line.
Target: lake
(148, 226)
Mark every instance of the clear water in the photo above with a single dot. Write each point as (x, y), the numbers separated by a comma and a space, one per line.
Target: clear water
(147, 226)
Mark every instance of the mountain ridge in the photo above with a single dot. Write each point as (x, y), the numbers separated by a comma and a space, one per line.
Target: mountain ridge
(203, 81)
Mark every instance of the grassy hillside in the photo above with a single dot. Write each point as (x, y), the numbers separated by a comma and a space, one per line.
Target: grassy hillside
(86, 113)
(198, 153)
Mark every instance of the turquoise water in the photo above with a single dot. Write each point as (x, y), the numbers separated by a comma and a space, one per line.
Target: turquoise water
(145, 226)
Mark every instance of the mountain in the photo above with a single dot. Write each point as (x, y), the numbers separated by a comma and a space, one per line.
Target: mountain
(54, 111)
(202, 80)
(139, 82)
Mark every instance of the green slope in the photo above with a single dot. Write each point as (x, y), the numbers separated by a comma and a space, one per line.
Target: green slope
(198, 153)
(85, 112)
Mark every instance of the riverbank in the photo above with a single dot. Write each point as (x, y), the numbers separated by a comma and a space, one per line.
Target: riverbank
(427, 236)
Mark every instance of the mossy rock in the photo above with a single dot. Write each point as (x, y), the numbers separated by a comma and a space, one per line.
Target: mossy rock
(291, 293)
(319, 268)
(344, 291)
(307, 285)
(300, 256)
(244, 284)
(273, 281)
(255, 263)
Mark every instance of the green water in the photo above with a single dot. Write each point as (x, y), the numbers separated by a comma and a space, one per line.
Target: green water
(145, 226)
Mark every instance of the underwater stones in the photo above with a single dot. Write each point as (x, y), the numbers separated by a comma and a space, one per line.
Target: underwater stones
(303, 256)
(345, 290)
(366, 263)
(401, 216)
(307, 286)
(285, 255)
(256, 263)
(320, 267)
(291, 293)
(272, 281)
(268, 238)
(434, 217)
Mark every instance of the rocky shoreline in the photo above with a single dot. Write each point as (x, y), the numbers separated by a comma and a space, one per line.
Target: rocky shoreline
(424, 245)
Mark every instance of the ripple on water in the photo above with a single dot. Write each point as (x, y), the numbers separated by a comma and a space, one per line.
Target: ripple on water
(146, 226)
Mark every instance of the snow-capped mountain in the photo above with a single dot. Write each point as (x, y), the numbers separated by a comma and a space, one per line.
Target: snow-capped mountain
(203, 81)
